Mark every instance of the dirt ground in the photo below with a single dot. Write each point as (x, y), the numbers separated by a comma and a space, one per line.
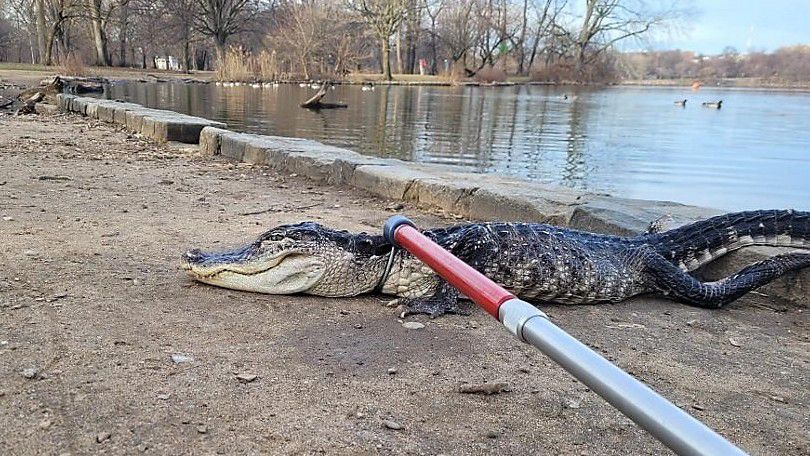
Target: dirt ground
(93, 307)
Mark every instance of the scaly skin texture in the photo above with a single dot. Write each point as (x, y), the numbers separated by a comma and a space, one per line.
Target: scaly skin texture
(536, 262)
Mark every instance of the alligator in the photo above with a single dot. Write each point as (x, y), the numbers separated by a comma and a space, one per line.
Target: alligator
(536, 262)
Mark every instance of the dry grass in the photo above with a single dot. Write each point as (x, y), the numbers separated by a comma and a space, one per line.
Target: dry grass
(235, 66)
(490, 74)
(266, 67)
(73, 65)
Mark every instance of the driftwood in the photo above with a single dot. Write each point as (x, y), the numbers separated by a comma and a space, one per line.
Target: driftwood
(316, 103)
(50, 89)
(28, 106)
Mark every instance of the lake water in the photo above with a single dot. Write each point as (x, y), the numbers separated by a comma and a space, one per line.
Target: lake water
(627, 141)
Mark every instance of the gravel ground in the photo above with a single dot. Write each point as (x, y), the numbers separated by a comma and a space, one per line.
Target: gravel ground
(107, 348)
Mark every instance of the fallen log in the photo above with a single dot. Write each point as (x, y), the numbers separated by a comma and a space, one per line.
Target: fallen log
(29, 104)
(50, 89)
(316, 103)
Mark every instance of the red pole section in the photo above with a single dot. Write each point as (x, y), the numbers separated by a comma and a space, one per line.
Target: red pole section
(476, 286)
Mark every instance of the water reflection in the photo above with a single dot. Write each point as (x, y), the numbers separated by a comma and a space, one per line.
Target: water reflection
(627, 141)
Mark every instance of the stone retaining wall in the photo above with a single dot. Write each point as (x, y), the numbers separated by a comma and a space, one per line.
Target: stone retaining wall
(157, 124)
(471, 196)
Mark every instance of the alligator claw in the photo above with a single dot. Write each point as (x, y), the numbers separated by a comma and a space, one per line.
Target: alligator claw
(443, 301)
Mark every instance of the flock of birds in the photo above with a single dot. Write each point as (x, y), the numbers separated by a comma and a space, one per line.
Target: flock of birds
(706, 104)
(367, 86)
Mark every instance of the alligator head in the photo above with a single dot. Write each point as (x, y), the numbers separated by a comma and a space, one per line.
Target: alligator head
(301, 258)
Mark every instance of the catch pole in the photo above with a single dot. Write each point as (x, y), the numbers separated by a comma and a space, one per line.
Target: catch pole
(675, 428)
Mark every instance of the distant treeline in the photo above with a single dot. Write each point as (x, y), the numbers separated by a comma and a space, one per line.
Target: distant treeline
(787, 64)
(489, 39)
(549, 40)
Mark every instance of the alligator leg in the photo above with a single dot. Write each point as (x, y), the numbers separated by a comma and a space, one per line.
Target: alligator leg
(671, 280)
(443, 300)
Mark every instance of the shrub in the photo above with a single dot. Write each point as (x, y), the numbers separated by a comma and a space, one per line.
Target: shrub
(73, 65)
(490, 74)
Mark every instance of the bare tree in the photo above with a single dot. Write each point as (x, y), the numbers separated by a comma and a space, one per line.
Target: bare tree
(384, 18)
(97, 27)
(220, 19)
(607, 22)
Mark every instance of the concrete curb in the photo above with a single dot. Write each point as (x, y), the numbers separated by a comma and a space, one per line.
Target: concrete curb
(471, 196)
(157, 124)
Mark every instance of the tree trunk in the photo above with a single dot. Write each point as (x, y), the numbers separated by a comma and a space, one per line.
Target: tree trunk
(122, 36)
(219, 43)
(400, 68)
(99, 37)
(521, 47)
(385, 51)
(186, 48)
(41, 32)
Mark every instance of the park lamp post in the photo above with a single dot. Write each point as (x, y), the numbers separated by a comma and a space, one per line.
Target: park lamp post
(673, 427)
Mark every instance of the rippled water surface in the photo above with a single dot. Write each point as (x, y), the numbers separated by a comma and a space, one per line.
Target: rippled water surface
(630, 142)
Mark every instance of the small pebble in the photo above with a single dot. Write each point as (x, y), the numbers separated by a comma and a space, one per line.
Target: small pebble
(393, 425)
(202, 429)
(178, 358)
(246, 378)
(413, 325)
(493, 434)
(163, 397)
(30, 373)
(392, 370)
(103, 437)
(698, 407)
(8, 219)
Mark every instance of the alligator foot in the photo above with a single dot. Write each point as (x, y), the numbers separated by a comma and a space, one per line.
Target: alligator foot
(443, 301)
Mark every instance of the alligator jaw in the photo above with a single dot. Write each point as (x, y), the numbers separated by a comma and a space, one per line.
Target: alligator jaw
(286, 272)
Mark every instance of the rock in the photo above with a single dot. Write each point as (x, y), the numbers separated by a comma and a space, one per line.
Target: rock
(30, 373)
(202, 429)
(178, 358)
(391, 424)
(30, 253)
(413, 325)
(102, 437)
(493, 434)
(246, 378)
(163, 397)
(392, 370)
(698, 407)
(8, 219)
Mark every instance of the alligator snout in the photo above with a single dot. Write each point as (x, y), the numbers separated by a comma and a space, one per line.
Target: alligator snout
(190, 257)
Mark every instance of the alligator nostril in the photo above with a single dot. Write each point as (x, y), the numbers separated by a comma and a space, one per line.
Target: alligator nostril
(192, 255)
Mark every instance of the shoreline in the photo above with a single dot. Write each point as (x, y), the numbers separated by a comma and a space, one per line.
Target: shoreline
(28, 74)
(432, 187)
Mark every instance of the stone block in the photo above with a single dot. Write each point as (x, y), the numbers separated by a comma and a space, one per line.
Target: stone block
(523, 201)
(46, 109)
(389, 181)
(232, 145)
(210, 140)
(627, 217)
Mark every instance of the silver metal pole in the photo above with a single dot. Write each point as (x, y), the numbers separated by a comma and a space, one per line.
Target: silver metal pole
(675, 428)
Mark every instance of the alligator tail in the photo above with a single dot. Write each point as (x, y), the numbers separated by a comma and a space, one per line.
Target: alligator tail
(691, 246)
(672, 281)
